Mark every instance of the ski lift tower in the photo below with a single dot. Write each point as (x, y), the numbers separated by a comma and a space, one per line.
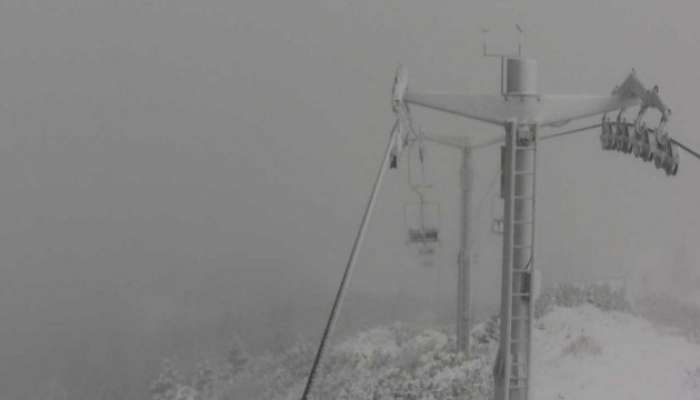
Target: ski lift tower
(522, 111)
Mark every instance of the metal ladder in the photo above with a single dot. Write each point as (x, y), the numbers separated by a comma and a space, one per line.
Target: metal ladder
(520, 229)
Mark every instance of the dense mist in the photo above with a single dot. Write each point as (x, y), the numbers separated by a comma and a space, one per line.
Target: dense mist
(175, 175)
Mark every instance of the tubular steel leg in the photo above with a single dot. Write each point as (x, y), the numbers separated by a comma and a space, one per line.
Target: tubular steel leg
(464, 274)
(351, 263)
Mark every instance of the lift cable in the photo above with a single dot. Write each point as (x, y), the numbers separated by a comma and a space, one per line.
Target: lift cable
(351, 263)
(576, 130)
(686, 148)
(585, 128)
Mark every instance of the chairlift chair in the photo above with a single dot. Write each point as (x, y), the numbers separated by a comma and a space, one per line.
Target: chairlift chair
(661, 148)
(423, 226)
(422, 235)
(615, 139)
(615, 133)
(627, 136)
(606, 137)
(665, 154)
(657, 149)
(671, 159)
(622, 137)
(422, 218)
(640, 144)
(637, 140)
(650, 139)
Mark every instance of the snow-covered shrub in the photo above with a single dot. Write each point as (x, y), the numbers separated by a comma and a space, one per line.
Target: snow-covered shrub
(372, 365)
(237, 357)
(487, 331)
(603, 296)
(692, 380)
(165, 386)
(297, 360)
(169, 385)
(583, 345)
(204, 378)
(608, 298)
(185, 392)
(379, 360)
(403, 332)
(672, 312)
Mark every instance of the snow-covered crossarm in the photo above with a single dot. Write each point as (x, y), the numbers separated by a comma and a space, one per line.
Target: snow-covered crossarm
(543, 110)
(486, 108)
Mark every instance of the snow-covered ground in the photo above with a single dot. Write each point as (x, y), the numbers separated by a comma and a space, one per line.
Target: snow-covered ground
(580, 352)
(585, 353)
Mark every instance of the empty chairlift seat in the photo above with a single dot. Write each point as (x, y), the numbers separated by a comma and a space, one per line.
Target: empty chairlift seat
(423, 223)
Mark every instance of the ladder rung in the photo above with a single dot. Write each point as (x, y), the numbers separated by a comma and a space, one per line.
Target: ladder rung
(522, 294)
(524, 172)
(528, 147)
(522, 221)
(526, 197)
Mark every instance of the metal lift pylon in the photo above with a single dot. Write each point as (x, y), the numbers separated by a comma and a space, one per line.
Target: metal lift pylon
(523, 112)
